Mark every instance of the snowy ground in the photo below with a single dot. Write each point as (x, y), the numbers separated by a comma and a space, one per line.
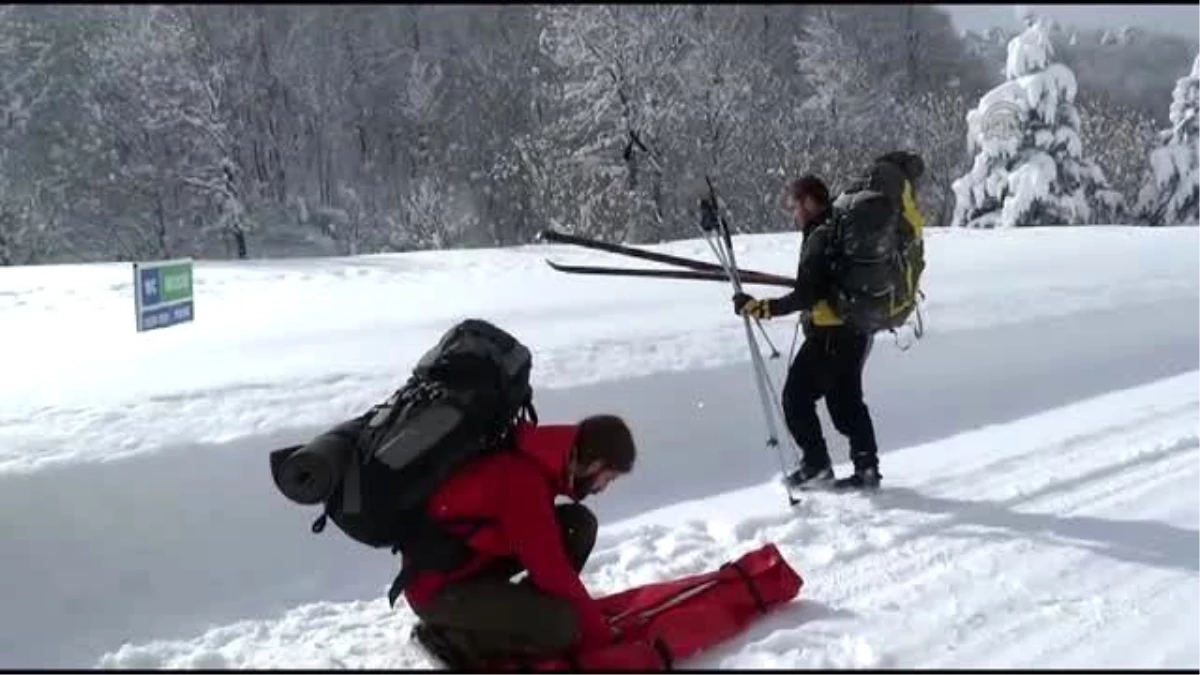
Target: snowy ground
(1064, 540)
(155, 519)
(314, 340)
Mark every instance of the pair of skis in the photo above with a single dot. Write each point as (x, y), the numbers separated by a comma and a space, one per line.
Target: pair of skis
(692, 269)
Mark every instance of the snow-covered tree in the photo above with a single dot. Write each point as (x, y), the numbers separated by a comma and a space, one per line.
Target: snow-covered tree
(619, 93)
(26, 55)
(1116, 136)
(939, 132)
(50, 147)
(1130, 35)
(733, 116)
(1029, 167)
(1171, 195)
(152, 145)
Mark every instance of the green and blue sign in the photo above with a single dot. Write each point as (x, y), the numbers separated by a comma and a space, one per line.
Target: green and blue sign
(162, 293)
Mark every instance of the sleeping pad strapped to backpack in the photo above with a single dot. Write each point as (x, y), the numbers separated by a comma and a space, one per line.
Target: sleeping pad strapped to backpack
(877, 251)
(374, 474)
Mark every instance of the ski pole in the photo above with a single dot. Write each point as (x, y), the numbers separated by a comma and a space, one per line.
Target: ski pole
(710, 222)
(767, 339)
(725, 263)
(761, 381)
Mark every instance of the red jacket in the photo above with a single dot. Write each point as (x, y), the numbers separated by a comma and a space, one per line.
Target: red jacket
(516, 491)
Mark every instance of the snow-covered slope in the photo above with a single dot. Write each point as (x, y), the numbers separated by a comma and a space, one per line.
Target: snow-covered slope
(278, 344)
(135, 504)
(1064, 540)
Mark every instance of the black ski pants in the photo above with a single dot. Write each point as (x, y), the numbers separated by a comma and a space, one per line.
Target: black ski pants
(489, 616)
(830, 364)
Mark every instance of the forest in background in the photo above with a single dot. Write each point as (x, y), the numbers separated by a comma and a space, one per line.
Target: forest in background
(143, 132)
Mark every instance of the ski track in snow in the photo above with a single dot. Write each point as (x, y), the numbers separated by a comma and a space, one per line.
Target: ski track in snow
(1063, 540)
(286, 344)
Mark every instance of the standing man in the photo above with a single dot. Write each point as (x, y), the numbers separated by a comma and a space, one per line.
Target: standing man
(830, 362)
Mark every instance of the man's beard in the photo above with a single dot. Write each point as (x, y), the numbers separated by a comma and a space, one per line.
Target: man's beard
(581, 487)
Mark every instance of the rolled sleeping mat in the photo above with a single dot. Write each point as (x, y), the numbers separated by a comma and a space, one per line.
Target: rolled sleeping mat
(309, 473)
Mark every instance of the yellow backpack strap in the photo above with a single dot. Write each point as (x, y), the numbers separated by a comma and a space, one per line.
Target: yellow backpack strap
(912, 213)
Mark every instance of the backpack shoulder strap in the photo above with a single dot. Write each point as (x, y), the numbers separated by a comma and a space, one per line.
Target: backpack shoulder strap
(912, 213)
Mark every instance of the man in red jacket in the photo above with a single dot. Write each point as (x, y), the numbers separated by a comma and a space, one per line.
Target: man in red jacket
(476, 610)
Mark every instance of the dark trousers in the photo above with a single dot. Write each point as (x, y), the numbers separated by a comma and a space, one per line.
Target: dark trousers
(489, 616)
(830, 364)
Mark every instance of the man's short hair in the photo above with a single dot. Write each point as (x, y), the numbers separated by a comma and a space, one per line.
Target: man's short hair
(606, 438)
(810, 186)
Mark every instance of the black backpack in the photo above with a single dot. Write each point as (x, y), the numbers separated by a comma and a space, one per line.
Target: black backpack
(876, 255)
(375, 474)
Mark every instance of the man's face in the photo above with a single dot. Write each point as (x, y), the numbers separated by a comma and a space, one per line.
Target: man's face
(804, 210)
(592, 480)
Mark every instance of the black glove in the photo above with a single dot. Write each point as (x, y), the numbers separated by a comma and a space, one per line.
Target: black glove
(739, 301)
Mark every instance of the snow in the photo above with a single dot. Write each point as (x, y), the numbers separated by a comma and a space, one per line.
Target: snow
(1183, 110)
(317, 340)
(1171, 192)
(1029, 183)
(1018, 128)
(1063, 540)
(1046, 92)
(995, 124)
(1010, 533)
(1030, 52)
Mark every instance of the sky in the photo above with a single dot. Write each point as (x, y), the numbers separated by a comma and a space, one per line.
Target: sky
(1178, 19)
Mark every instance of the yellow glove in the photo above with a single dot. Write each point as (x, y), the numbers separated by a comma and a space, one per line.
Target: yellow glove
(744, 305)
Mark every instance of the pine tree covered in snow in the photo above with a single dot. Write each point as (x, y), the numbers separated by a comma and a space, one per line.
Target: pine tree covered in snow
(1171, 195)
(1029, 166)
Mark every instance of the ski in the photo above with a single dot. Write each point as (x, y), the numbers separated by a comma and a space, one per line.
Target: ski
(701, 275)
(557, 237)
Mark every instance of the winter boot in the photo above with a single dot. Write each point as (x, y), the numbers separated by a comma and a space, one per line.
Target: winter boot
(866, 478)
(811, 475)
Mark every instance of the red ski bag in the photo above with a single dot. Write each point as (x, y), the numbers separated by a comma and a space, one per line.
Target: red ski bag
(660, 624)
